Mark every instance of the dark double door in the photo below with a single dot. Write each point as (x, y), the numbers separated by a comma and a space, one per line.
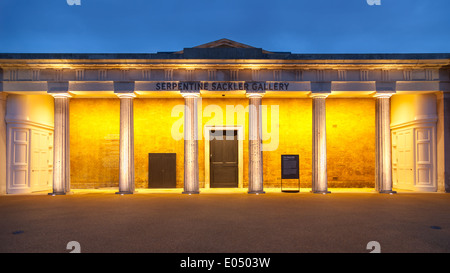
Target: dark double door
(162, 170)
(223, 156)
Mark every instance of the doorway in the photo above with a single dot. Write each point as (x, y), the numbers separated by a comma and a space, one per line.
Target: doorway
(210, 131)
(413, 157)
(224, 168)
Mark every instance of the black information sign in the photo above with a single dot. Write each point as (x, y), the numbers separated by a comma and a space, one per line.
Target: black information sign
(289, 167)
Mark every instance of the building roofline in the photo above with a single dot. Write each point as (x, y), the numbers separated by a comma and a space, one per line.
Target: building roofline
(222, 54)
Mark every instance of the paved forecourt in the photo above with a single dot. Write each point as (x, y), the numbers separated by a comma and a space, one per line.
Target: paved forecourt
(211, 222)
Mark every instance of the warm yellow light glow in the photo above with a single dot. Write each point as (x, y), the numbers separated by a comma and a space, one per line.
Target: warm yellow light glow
(61, 95)
(126, 95)
(94, 142)
(351, 142)
(95, 125)
(254, 95)
(383, 95)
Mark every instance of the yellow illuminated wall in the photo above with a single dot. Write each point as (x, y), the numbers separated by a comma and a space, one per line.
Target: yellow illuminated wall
(215, 112)
(94, 143)
(95, 125)
(295, 137)
(153, 122)
(351, 142)
(94, 139)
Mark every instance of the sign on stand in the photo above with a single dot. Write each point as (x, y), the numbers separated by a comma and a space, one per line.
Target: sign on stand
(290, 170)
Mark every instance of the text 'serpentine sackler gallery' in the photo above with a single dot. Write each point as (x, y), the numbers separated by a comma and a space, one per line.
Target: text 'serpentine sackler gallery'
(221, 115)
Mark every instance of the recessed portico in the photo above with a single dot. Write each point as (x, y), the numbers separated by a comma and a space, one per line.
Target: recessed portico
(335, 113)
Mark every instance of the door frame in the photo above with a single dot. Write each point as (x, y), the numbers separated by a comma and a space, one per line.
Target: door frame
(240, 135)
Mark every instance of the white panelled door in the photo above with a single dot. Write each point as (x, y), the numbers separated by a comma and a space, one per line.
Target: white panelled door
(18, 161)
(30, 159)
(403, 155)
(413, 158)
(425, 158)
(40, 179)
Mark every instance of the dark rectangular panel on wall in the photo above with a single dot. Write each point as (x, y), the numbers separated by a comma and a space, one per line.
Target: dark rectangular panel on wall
(162, 170)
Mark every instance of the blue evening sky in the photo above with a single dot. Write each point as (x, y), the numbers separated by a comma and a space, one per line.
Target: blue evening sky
(298, 26)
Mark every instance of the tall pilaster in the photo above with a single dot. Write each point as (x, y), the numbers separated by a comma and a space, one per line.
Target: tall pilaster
(383, 163)
(191, 180)
(319, 156)
(443, 142)
(255, 154)
(126, 150)
(61, 145)
(2, 143)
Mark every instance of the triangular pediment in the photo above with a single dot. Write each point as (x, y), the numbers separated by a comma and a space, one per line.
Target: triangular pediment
(224, 43)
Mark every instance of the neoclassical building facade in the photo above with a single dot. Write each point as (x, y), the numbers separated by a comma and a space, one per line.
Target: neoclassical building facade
(222, 115)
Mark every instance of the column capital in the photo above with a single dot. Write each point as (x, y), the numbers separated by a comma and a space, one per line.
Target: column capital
(254, 95)
(319, 95)
(383, 94)
(61, 95)
(128, 95)
(190, 94)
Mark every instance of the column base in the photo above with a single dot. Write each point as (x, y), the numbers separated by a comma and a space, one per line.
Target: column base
(321, 192)
(124, 192)
(190, 192)
(256, 192)
(57, 193)
(387, 192)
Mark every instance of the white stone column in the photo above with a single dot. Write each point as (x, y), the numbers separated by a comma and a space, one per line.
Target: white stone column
(191, 180)
(443, 142)
(2, 143)
(383, 162)
(319, 156)
(61, 145)
(126, 150)
(255, 154)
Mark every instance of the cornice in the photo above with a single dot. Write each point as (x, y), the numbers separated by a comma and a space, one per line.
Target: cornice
(226, 64)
